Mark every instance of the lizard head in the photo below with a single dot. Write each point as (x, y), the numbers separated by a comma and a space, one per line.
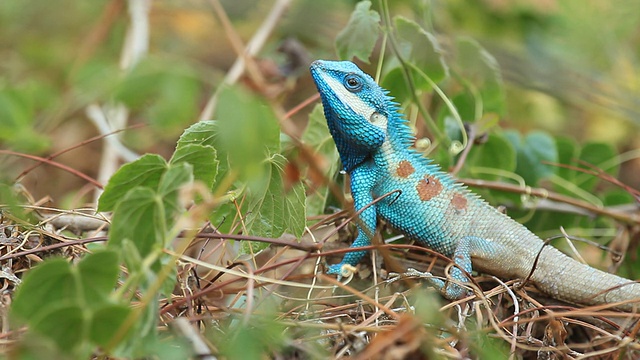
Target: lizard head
(356, 109)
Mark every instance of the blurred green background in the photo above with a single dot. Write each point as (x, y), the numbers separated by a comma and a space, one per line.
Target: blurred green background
(570, 67)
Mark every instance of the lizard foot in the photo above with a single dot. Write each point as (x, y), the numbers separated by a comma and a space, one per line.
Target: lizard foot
(448, 289)
(342, 270)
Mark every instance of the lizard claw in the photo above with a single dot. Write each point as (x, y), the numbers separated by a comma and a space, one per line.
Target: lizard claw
(416, 273)
(451, 291)
(342, 270)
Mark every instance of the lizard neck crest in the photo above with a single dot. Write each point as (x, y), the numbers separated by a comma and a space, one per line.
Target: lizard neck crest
(361, 116)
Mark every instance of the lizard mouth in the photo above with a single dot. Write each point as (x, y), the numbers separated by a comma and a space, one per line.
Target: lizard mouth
(317, 64)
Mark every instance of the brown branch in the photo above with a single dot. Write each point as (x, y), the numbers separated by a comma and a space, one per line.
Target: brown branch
(471, 135)
(275, 241)
(80, 144)
(546, 194)
(56, 164)
(53, 247)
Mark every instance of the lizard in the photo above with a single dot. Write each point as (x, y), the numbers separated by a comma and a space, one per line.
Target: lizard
(374, 142)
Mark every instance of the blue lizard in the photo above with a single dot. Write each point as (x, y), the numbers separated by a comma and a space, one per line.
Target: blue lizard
(374, 142)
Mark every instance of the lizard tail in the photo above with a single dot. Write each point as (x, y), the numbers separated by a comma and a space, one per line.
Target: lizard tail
(569, 280)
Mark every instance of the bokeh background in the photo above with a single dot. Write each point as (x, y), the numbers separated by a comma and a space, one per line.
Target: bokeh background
(570, 67)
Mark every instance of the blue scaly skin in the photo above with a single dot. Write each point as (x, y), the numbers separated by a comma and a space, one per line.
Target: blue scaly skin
(429, 206)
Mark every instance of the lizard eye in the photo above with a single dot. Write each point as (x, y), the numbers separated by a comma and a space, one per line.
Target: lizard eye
(353, 82)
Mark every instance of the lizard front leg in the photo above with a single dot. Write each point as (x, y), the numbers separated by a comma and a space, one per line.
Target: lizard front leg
(362, 181)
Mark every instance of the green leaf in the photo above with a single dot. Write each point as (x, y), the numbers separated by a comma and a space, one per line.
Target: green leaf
(276, 211)
(106, 322)
(166, 92)
(465, 104)
(202, 158)
(481, 70)
(50, 283)
(359, 37)
(397, 84)
(175, 103)
(484, 346)
(168, 190)
(316, 135)
(175, 176)
(264, 335)
(131, 256)
(450, 124)
(497, 153)
(601, 155)
(147, 326)
(206, 133)
(568, 150)
(169, 283)
(326, 157)
(139, 217)
(248, 132)
(95, 79)
(537, 147)
(64, 324)
(17, 122)
(140, 85)
(421, 48)
(224, 217)
(98, 273)
(145, 171)
(617, 197)
(567, 154)
(294, 216)
(200, 133)
(12, 201)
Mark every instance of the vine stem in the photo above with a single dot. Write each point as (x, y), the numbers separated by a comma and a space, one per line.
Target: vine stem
(546, 194)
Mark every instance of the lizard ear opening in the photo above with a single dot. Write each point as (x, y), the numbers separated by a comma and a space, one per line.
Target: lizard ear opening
(378, 120)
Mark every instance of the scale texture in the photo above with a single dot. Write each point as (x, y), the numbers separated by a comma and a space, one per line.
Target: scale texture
(429, 206)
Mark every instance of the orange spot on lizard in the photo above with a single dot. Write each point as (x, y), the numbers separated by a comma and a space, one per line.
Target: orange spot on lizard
(428, 188)
(405, 169)
(459, 202)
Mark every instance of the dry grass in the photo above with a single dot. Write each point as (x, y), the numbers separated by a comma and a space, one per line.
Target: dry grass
(368, 317)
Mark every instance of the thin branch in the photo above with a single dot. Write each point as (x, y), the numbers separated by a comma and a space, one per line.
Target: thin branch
(66, 168)
(546, 194)
(115, 116)
(471, 135)
(276, 241)
(199, 345)
(244, 62)
(76, 146)
(137, 40)
(96, 114)
(53, 247)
